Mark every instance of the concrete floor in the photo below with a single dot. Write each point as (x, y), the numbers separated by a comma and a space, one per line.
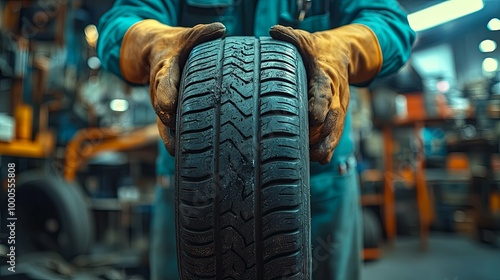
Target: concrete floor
(449, 257)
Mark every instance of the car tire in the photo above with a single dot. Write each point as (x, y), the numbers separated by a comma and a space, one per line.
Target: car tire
(51, 215)
(242, 162)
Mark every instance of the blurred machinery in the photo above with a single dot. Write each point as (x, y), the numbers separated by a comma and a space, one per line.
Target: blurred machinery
(64, 122)
(439, 144)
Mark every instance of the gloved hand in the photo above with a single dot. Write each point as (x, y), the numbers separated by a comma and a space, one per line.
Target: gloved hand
(154, 51)
(333, 59)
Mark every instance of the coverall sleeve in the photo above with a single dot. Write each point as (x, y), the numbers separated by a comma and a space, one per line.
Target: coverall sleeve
(387, 20)
(124, 13)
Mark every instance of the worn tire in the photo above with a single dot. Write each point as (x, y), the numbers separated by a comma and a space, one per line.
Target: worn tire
(242, 162)
(52, 215)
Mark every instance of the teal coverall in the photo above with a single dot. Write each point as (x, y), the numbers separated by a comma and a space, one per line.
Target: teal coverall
(335, 209)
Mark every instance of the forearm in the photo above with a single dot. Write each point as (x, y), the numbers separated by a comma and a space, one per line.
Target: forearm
(125, 13)
(388, 22)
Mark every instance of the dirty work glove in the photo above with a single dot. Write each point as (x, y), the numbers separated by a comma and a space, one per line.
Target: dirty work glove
(154, 52)
(333, 59)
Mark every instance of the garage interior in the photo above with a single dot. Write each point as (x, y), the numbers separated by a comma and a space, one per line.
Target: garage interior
(427, 143)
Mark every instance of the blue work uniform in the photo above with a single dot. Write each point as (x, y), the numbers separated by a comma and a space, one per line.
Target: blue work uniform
(335, 209)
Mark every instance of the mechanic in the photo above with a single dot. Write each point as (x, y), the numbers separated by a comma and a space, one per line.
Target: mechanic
(342, 42)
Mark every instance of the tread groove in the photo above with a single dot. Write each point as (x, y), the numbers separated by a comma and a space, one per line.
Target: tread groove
(280, 208)
(200, 81)
(194, 111)
(257, 170)
(217, 234)
(238, 66)
(278, 112)
(276, 79)
(295, 252)
(280, 181)
(193, 179)
(278, 134)
(198, 130)
(230, 101)
(199, 68)
(287, 159)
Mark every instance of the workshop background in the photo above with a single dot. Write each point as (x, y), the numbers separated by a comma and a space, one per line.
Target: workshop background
(84, 146)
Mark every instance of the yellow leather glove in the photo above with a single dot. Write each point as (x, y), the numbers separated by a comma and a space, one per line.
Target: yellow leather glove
(154, 52)
(334, 59)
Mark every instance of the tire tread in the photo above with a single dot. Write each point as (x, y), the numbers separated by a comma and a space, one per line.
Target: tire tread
(242, 164)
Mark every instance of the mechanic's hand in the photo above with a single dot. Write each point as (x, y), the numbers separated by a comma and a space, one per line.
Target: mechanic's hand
(154, 52)
(333, 59)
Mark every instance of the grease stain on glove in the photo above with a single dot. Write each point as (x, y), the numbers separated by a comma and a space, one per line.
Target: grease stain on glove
(333, 59)
(154, 52)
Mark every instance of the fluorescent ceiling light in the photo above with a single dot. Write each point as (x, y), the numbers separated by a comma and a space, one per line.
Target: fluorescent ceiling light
(487, 46)
(494, 24)
(443, 12)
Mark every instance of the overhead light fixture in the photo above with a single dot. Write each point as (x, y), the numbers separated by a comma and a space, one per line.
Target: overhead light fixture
(487, 46)
(94, 63)
(91, 34)
(118, 105)
(494, 24)
(443, 12)
(443, 86)
(490, 64)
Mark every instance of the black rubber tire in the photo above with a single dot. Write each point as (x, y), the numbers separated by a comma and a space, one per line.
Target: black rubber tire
(242, 162)
(372, 232)
(43, 200)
